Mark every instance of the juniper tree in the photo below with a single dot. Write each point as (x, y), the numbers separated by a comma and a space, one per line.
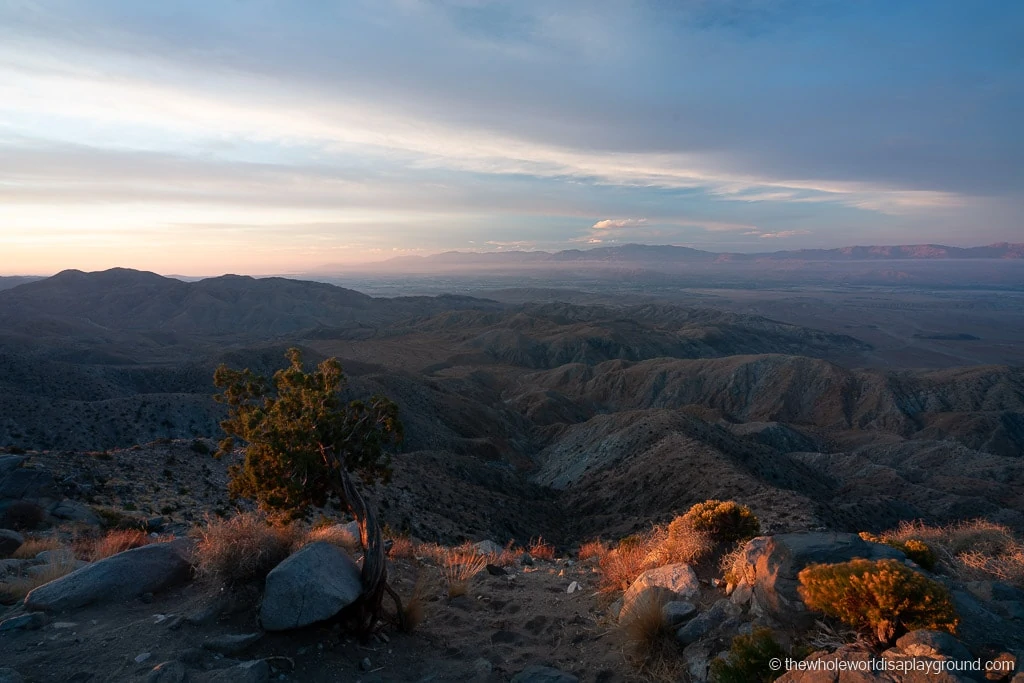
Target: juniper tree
(303, 444)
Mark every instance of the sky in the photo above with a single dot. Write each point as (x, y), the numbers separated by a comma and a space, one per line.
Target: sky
(261, 136)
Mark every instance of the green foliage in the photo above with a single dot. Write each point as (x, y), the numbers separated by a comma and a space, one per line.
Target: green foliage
(916, 550)
(724, 521)
(883, 597)
(291, 423)
(749, 659)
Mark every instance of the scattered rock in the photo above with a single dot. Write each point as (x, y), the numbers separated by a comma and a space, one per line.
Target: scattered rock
(73, 511)
(167, 672)
(495, 570)
(664, 584)
(366, 664)
(482, 667)
(10, 541)
(677, 611)
(573, 587)
(314, 584)
(231, 644)
(488, 547)
(526, 559)
(140, 658)
(543, 674)
(706, 622)
(119, 577)
(24, 622)
(922, 643)
(698, 661)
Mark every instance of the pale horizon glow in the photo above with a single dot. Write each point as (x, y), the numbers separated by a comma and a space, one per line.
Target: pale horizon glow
(199, 138)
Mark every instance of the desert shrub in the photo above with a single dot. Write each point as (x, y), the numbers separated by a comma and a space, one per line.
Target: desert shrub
(592, 550)
(118, 541)
(541, 549)
(916, 550)
(243, 548)
(200, 447)
(724, 521)
(749, 659)
(33, 546)
(974, 550)
(883, 597)
(732, 565)
(459, 567)
(23, 515)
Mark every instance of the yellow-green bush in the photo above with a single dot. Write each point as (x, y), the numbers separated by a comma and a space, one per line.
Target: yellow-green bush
(915, 549)
(882, 597)
(749, 659)
(724, 521)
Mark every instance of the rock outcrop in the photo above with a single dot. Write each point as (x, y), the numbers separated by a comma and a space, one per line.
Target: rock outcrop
(119, 577)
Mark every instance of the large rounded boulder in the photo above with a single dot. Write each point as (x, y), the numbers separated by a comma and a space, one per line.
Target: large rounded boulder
(312, 585)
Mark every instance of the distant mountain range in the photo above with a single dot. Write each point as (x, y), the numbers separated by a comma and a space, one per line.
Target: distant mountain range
(669, 254)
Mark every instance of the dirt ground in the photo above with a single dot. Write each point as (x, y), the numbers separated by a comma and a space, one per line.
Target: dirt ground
(504, 624)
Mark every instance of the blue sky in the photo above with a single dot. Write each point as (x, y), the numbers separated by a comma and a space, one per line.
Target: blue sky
(262, 136)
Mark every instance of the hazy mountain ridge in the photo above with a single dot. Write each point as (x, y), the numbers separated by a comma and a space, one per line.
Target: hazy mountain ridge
(643, 253)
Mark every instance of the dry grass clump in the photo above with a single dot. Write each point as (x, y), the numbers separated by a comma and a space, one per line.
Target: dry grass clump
(593, 550)
(540, 549)
(732, 566)
(662, 545)
(650, 643)
(459, 566)
(620, 567)
(509, 555)
(33, 546)
(884, 598)
(15, 589)
(402, 547)
(335, 534)
(118, 541)
(414, 607)
(243, 548)
(974, 550)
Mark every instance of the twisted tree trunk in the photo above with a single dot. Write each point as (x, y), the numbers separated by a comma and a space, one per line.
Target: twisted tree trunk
(368, 609)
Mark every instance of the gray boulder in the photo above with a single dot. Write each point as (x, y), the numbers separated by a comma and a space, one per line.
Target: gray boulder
(29, 621)
(543, 674)
(119, 577)
(488, 547)
(706, 622)
(26, 482)
(662, 584)
(767, 571)
(74, 511)
(677, 611)
(10, 541)
(9, 463)
(314, 584)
